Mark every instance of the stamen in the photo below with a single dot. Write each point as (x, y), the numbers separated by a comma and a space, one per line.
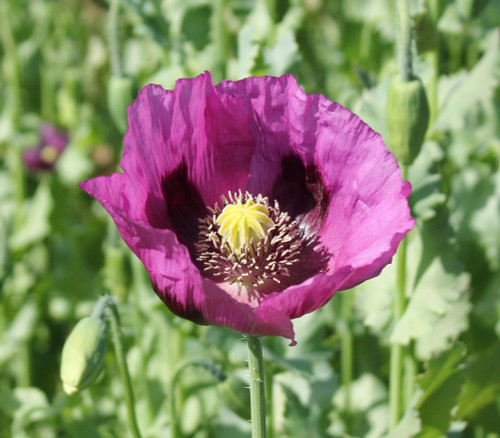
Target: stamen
(248, 244)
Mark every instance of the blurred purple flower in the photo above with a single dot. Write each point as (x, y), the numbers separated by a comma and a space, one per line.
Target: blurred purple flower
(333, 191)
(45, 155)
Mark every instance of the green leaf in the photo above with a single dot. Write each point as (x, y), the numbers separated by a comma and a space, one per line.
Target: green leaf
(409, 425)
(438, 307)
(463, 90)
(31, 413)
(426, 179)
(21, 329)
(35, 220)
(304, 402)
(229, 425)
(368, 412)
(441, 384)
(282, 55)
(482, 384)
(475, 201)
(248, 50)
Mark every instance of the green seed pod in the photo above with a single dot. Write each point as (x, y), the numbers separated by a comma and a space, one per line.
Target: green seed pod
(83, 354)
(235, 394)
(120, 96)
(407, 113)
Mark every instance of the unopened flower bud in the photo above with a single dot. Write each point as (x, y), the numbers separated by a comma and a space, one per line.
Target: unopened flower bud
(235, 394)
(83, 354)
(120, 96)
(407, 113)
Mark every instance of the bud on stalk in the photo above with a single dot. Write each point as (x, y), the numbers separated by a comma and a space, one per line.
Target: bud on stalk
(407, 114)
(83, 354)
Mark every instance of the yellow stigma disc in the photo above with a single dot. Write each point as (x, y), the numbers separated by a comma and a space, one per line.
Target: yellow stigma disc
(49, 154)
(240, 223)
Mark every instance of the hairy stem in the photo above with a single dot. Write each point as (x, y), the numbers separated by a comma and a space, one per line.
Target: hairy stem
(398, 356)
(123, 369)
(346, 354)
(257, 387)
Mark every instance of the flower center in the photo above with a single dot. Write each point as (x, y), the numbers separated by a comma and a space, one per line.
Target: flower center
(49, 154)
(241, 224)
(252, 248)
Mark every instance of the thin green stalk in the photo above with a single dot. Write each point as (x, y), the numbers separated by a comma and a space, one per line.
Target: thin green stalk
(346, 353)
(410, 372)
(113, 40)
(404, 40)
(172, 409)
(434, 8)
(398, 356)
(396, 370)
(395, 376)
(11, 68)
(123, 369)
(139, 323)
(269, 397)
(11, 64)
(24, 364)
(46, 90)
(220, 35)
(176, 394)
(257, 386)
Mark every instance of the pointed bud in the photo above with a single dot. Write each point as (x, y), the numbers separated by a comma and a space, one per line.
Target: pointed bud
(83, 354)
(407, 114)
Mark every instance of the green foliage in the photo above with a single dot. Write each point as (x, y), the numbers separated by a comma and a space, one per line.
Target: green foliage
(440, 384)
(67, 63)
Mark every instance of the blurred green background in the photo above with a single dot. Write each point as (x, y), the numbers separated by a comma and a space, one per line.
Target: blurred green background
(78, 64)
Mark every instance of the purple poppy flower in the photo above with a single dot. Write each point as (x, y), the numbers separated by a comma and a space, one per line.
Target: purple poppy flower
(251, 203)
(45, 155)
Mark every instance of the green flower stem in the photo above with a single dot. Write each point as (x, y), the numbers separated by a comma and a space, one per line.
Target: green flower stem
(24, 364)
(434, 9)
(176, 394)
(123, 369)
(220, 35)
(410, 372)
(346, 349)
(257, 386)
(139, 323)
(172, 409)
(404, 41)
(269, 396)
(116, 65)
(13, 102)
(11, 66)
(398, 356)
(394, 385)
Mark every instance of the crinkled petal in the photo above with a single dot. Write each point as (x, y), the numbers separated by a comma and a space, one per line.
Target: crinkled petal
(306, 138)
(191, 126)
(283, 123)
(368, 212)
